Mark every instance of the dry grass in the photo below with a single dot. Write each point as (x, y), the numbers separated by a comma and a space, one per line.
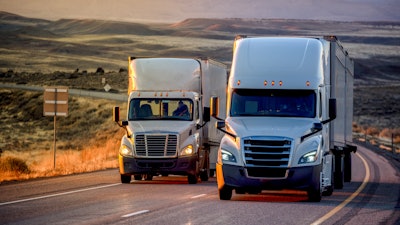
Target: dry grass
(87, 140)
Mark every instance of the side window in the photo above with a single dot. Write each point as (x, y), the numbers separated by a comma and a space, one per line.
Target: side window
(197, 114)
(320, 105)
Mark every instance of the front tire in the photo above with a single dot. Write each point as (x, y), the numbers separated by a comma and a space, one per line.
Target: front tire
(225, 193)
(192, 179)
(314, 192)
(126, 179)
(204, 175)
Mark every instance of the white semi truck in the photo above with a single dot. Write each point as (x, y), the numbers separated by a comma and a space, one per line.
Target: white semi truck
(168, 116)
(289, 117)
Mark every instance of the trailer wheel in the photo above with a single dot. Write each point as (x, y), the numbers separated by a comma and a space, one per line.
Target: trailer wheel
(347, 167)
(126, 179)
(148, 176)
(338, 175)
(225, 193)
(192, 179)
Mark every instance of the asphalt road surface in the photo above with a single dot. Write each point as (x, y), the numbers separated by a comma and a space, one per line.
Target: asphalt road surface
(99, 198)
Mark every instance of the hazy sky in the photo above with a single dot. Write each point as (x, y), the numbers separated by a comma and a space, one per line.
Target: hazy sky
(177, 10)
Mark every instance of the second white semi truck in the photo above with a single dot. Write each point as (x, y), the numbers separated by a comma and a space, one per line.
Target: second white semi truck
(168, 117)
(289, 117)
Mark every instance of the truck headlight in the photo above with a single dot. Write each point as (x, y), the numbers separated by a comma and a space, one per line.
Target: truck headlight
(227, 156)
(309, 157)
(188, 150)
(125, 151)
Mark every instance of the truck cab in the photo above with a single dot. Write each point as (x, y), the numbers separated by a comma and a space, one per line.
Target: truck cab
(167, 130)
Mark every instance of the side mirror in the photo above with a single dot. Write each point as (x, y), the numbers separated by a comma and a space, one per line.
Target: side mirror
(332, 109)
(214, 104)
(116, 114)
(220, 124)
(206, 114)
(316, 127)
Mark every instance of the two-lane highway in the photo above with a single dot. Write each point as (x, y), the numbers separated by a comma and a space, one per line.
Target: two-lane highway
(98, 198)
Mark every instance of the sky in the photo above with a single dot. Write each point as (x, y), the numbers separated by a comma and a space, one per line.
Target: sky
(178, 10)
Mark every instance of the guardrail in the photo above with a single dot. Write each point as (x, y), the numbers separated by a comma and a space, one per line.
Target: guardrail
(387, 145)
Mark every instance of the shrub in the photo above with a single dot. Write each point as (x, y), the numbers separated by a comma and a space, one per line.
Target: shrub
(13, 164)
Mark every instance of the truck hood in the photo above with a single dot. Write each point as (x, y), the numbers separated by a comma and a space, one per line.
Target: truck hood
(270, 126)
(159, 126)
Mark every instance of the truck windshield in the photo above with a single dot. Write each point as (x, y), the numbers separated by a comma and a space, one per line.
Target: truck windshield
(278, 103)
(160, 109)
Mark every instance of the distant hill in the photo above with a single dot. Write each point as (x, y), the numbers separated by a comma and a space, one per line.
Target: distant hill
(13, 22)
(65, 43)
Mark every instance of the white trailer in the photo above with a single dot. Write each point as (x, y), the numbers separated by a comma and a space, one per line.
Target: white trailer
(168, 115)
(289, 117)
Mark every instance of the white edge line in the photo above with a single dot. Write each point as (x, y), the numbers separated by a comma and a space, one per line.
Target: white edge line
(136, 213)
(198, 196)
(58, 194)
(350, 198)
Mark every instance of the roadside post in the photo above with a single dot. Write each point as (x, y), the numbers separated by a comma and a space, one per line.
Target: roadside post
(55, 104)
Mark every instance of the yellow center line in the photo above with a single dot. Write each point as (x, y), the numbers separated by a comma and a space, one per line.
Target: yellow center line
(350, 198)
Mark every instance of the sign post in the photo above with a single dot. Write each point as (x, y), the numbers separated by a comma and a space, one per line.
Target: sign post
(55, 104)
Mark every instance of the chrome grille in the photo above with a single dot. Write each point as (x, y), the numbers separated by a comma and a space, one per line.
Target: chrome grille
(267, 157)
(156, 145)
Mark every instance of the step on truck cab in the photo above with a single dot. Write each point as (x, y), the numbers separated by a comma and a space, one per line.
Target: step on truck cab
(168, 116)
(289, 117)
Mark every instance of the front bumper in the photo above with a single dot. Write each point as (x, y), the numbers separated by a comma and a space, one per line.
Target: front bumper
(299, 178)
(177, 166)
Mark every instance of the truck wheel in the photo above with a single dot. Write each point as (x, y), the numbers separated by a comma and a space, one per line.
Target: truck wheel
(125, 179)
(225, 193)
(148, 176)
(347, 167)
(314, 191)
(204, 175)
(137, 176)
(212, 172)
(314, 194)
(328, 192)
(338, 175)
(192, 179)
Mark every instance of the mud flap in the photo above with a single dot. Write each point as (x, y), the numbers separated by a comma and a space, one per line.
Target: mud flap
(327, 175)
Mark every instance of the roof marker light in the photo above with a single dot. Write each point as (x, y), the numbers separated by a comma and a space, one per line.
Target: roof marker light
(307, 83)
(265, 83)
(272, 83)
(238, 82)
(280, 83)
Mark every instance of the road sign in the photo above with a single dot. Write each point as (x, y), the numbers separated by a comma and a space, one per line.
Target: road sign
(55, 101)
(55, 104)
